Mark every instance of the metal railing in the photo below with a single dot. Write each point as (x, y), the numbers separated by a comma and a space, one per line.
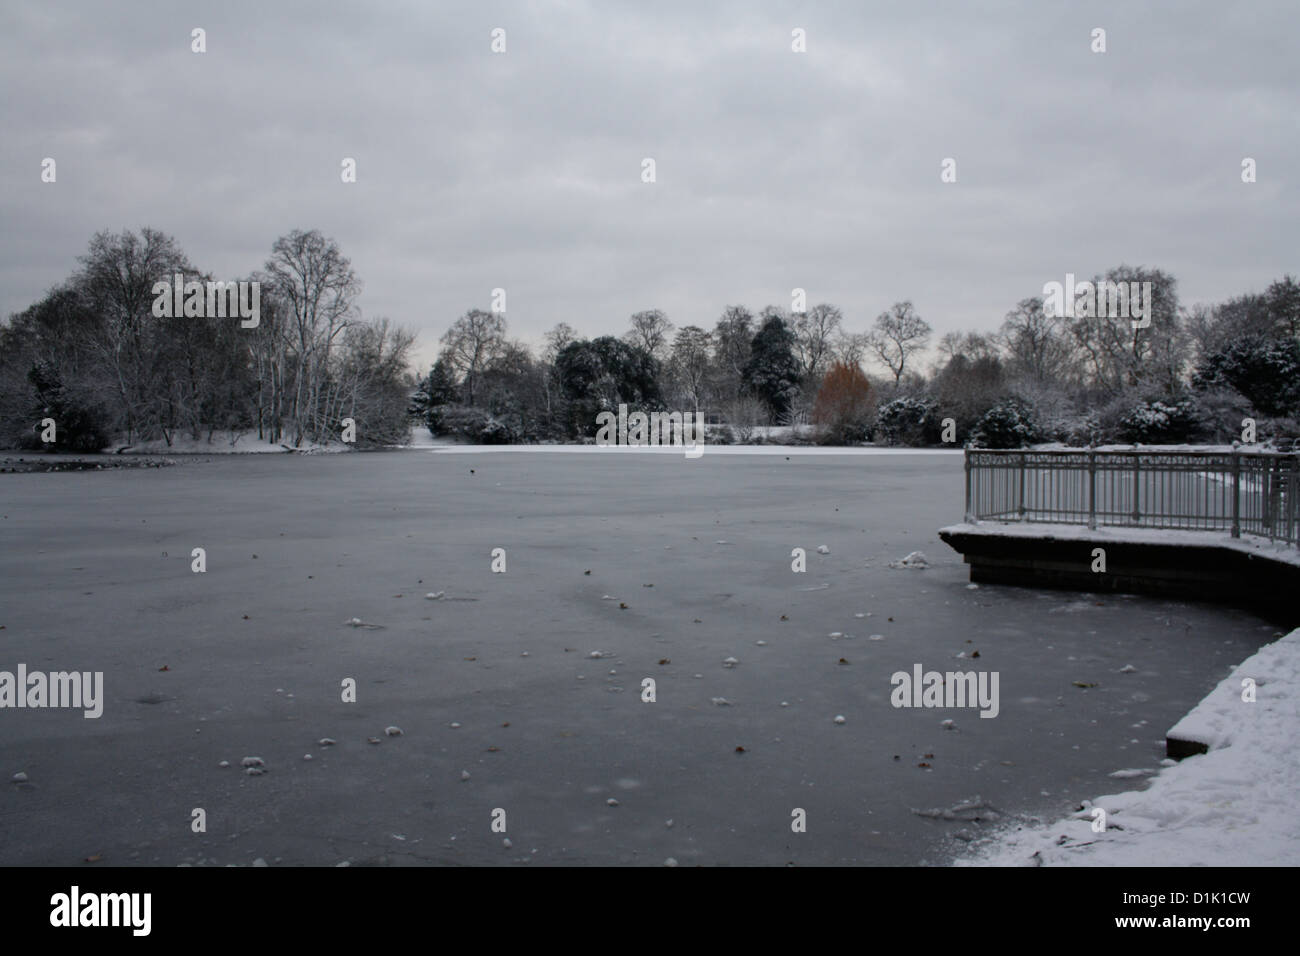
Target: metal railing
(1251, 492)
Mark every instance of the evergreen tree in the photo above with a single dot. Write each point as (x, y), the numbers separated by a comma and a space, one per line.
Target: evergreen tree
(772, 373)
(437, 391)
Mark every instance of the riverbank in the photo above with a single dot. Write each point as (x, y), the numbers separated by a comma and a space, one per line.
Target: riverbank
(1238, 804)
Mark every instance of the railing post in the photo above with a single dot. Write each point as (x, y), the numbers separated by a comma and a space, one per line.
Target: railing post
(1021, 509)
(1292, 532)
(1137, 467)
(1270, 487)
(1236, 494)
(1292, 510)
(970, 518)
(1092, 490)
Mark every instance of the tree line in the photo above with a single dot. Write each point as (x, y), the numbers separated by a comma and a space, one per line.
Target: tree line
(1180, 375)
(95, 356)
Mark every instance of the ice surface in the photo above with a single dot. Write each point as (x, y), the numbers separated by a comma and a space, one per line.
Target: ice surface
(339, 537)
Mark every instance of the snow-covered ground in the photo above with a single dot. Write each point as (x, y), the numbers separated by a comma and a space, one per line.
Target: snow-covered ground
(247, 443)
(1233, 806)
(222, 443)
(422, 438)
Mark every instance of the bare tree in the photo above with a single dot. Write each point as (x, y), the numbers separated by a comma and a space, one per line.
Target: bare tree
(897, 336)
(552, 381)
(268, 346)
(690, 362)
(1118, 355)
(814, 336)
(473, 341)
(316, 287)
(1038, 344)
(650, 330)
(852, 348)
(369, 382)
(972, 346)
(731, 344)
(556, 340)
(116, 278)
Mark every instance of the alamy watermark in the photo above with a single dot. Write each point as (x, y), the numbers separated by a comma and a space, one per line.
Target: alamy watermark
(214, 300)
(1129, 300)
(76, 909)
(653, 430)
(951, 689)
(36, 689)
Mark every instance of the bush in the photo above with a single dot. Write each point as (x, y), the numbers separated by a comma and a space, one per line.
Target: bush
(845, 433)
(1076, 431)
(434, 416)
(1265, 370)
(1008, 424)
(79, 423)
(479, 426)
(495, 432)
(1280, 433)
(903, 421)
(720, 435)
(798, 436)
(1161, 423)
(1221, 412)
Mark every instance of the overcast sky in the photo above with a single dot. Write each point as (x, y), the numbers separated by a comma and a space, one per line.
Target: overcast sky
(775, 169)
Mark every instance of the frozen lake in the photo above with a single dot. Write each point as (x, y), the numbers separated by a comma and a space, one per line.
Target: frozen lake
(96, 577)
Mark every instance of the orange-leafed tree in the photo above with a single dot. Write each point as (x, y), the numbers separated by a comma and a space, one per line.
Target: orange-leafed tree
(845, 405)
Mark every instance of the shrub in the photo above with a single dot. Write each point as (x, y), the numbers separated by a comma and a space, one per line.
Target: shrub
(496, 432)
(846, 433)
(720, 435)
(1008, 424)
(479, 426)
(79, 423)
(1076, 431)
(1161, 423)
(1265, 370)
(902, 421)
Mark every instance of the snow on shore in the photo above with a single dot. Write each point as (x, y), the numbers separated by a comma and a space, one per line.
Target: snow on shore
(1237, 805)
(221, 443)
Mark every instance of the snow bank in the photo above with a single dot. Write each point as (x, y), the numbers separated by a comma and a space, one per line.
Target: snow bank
(422, 438)
(1233, 806)
(222, 443)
